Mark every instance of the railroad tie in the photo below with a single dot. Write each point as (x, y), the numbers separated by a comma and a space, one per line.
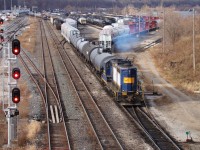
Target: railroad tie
(56, 113)
(52, 114)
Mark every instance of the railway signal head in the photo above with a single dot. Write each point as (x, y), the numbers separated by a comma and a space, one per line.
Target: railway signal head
(1, 30)
(1, 38)
(16, 95)
(15, 46)
(16, 112)
(1, 21)
(16, 73)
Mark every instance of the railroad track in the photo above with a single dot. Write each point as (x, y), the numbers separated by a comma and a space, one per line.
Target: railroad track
(95, 26)
(57, 131)
(156, 135)
(15, 26)
(12, 24)
(58, 134)
(104, 134)
(153, 131)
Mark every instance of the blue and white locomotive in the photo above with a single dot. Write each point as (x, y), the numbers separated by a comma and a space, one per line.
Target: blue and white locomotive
(119, 74)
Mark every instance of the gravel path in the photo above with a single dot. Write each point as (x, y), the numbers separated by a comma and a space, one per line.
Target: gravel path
(175, 111)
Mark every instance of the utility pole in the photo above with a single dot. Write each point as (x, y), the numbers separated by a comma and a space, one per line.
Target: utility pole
(163, 42)
(193, 44)
(11, 5)
(4, 4)
(161, 4)
(139, 24)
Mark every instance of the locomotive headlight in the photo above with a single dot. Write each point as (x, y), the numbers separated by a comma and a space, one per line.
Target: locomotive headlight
(137, 93)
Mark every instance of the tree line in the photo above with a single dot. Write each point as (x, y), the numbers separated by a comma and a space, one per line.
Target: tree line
(50, 4)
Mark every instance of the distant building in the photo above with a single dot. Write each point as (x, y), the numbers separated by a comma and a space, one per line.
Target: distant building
(34, 9)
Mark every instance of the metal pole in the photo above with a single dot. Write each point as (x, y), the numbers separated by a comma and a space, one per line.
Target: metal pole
(163, 43)
(4, 59)
(193, 43)
(139, 24)
(161, 4)
(11, 5)
(4, 4)
(149, 24)
(9, 102)
(9, 128)
(9, 75)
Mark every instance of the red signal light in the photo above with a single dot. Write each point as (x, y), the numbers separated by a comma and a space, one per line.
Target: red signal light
(16, 51)
(1, 21)
(15, 46)
(16, 95)
(1, 38)
(16, 73)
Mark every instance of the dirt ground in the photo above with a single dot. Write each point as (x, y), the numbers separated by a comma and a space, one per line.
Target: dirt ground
(3, 137)
(176, 111)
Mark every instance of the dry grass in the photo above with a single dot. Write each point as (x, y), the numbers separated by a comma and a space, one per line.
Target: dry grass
(31, 147)
(3, 129)
(22, 138)
(28, 134)
(25, 96)
(176, 64)
(28, 147)
(33, 129)
(28, 38)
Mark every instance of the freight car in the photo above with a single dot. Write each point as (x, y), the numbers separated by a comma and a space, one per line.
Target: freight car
(119, 74)
(58, 22)
(71, 22)
(125, 27)
(82, 20)
(68, 31)
(52, 19)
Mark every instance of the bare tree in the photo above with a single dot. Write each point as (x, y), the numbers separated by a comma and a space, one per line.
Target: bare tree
(70, 8)
(116, 10)
(172, 27)
(129, 10)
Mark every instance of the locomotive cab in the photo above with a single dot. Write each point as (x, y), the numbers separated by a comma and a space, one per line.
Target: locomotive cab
(124, 77)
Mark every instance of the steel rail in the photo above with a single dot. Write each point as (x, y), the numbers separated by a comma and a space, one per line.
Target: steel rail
(155, 136)
(79, 89)
(58, 100)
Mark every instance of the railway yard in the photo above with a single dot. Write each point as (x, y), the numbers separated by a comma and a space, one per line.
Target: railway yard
(70, 103)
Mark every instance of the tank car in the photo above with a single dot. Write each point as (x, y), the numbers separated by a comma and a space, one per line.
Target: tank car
(71, 22)
(58, 22)
(89, 48)
(109, 20)
(118, 74)
(68, 31)
(82, 21)
(52, 19)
